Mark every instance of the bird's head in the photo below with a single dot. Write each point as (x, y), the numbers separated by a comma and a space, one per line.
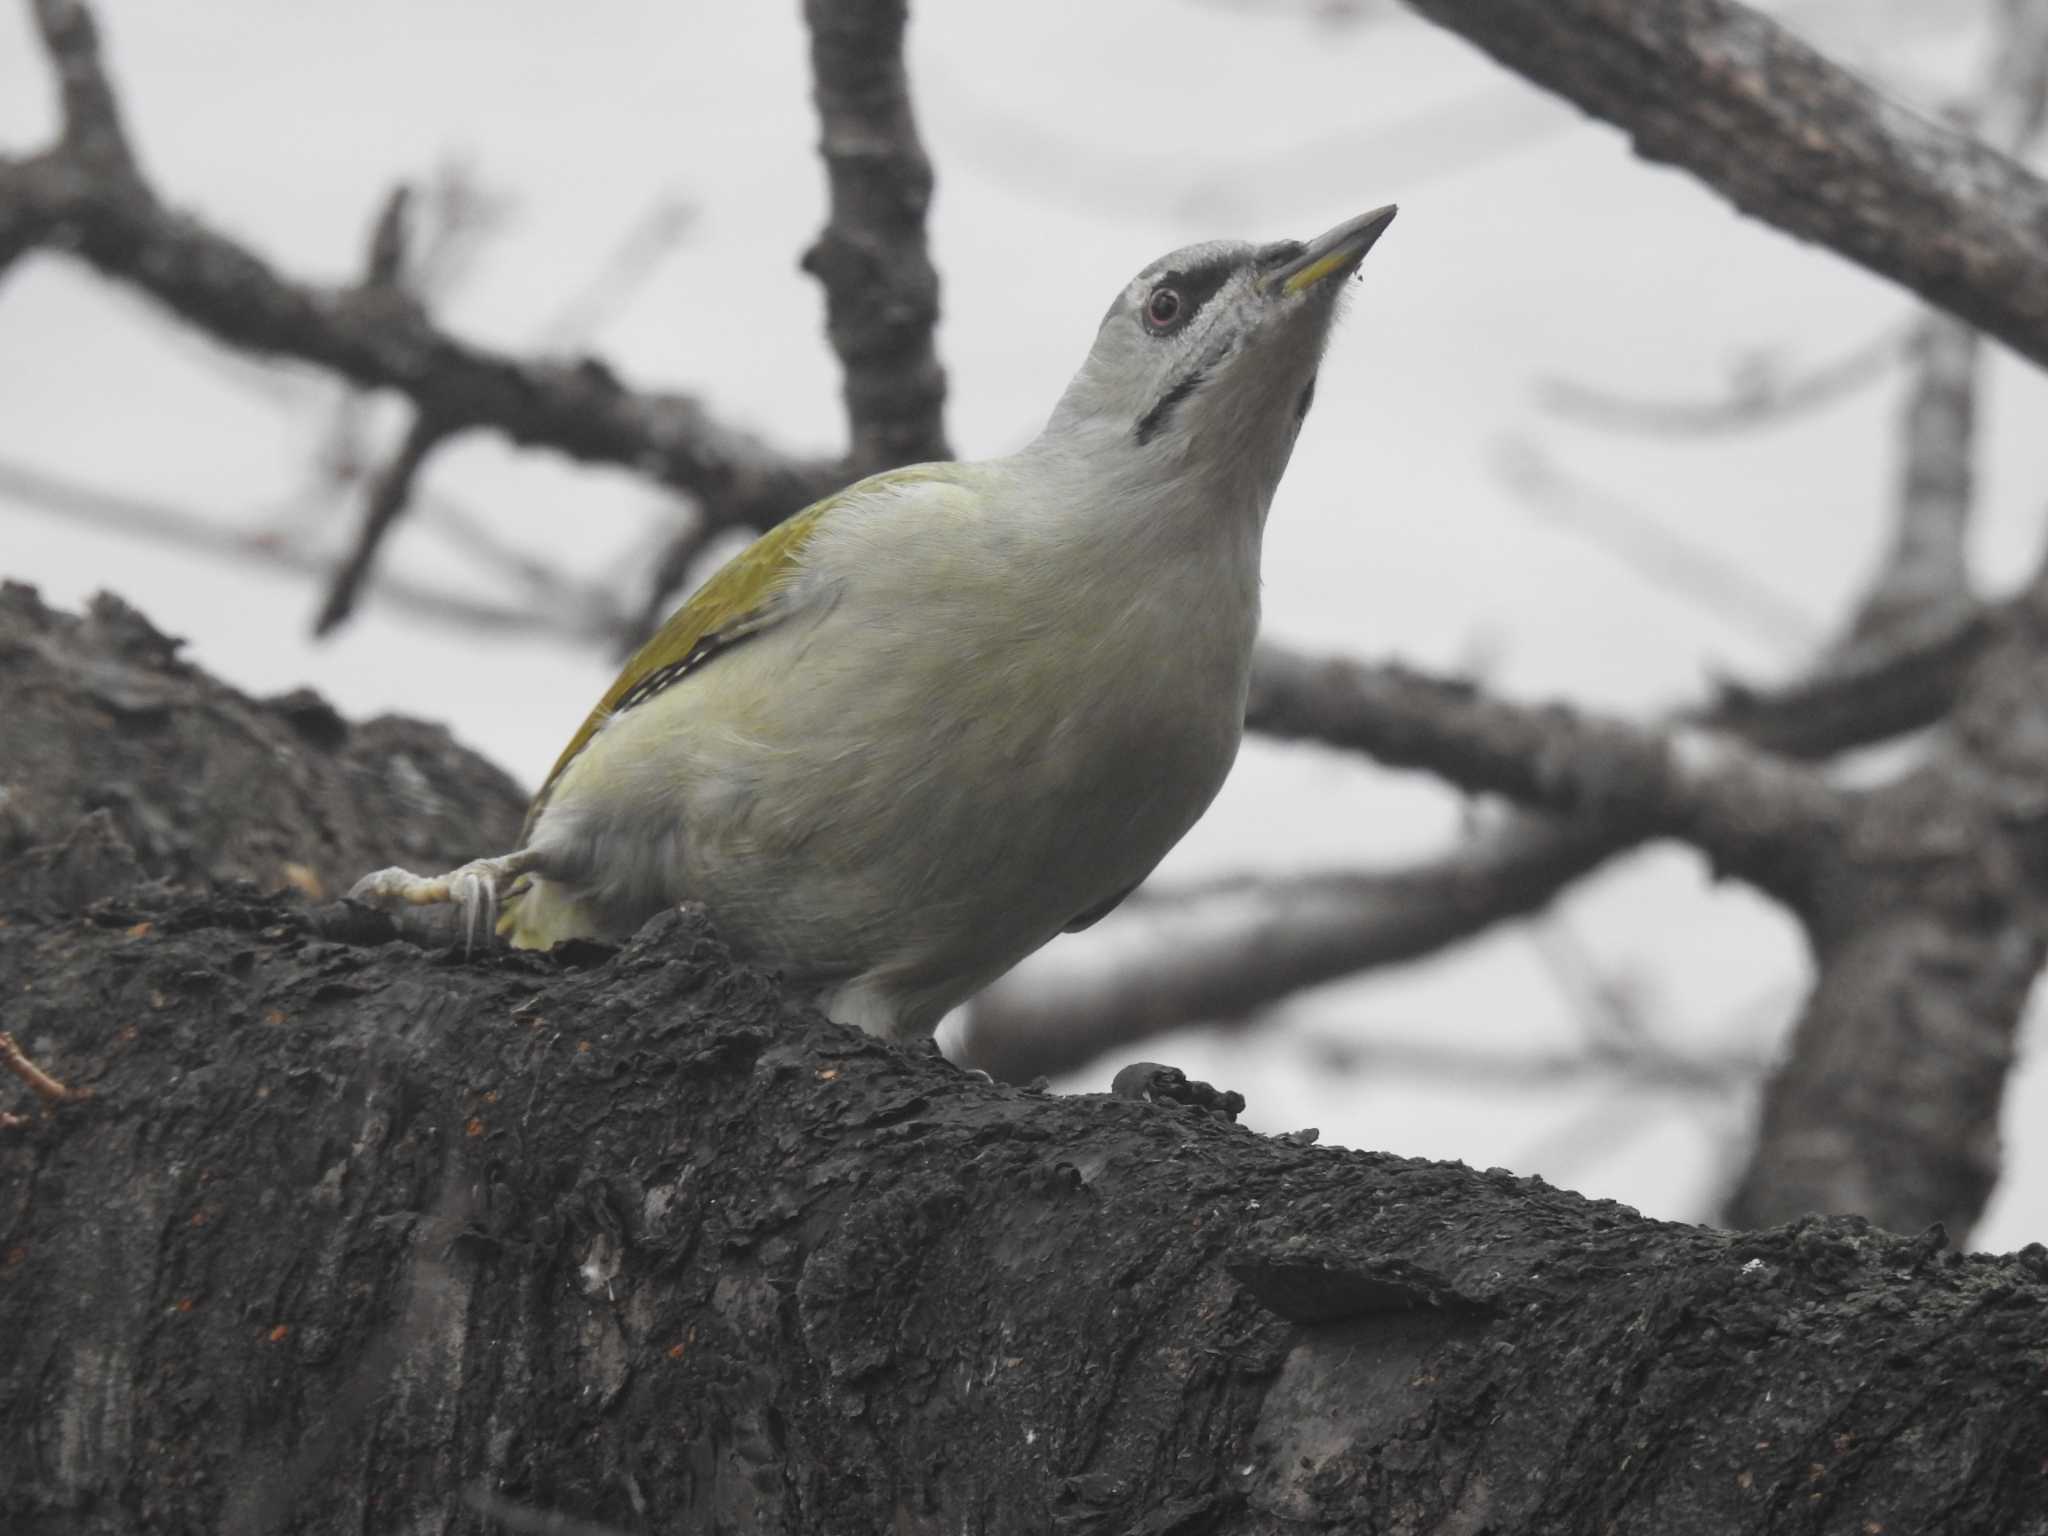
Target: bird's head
(1206, 363)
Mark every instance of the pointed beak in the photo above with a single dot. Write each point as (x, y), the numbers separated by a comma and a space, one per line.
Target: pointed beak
(1335, 253)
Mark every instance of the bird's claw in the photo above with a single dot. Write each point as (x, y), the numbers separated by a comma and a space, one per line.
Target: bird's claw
(474, 889)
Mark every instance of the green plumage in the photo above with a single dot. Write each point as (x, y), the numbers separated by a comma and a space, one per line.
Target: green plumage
(734, 599)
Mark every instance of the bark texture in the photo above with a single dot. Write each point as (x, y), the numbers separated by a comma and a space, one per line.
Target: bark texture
(120, 762)
(359, 1236)
(346, 1233)
(881, 290)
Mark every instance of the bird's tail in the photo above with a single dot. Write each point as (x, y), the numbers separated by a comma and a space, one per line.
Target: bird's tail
(539, 914)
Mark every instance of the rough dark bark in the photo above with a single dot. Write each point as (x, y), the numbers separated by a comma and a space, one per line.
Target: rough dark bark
(120, 762)
(345, 1233)
(1928, 934)
(1888, 1099)
(1789, 137)
(353, 1235)
(1753, 814)
(881, 290)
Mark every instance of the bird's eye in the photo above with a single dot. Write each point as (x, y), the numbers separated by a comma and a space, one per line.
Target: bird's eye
(1163, 308)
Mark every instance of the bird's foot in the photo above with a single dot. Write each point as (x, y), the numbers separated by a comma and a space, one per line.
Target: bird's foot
(476, 890)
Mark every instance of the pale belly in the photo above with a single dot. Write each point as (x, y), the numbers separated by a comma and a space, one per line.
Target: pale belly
(917, 822)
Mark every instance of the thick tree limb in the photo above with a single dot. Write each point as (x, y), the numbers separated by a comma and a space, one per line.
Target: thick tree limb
(622, 1240)
(1934, 930)
(633, 1243)
(119, 762)
(1788, 137)
(881, 291)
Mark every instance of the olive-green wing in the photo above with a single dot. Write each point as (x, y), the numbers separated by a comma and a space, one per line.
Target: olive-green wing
(740, 600)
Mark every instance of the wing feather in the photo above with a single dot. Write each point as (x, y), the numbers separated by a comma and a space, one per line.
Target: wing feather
(738, 601)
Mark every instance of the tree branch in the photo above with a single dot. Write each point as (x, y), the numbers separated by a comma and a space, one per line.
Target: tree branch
(1754, 816)
(92, 133)
(77, 200)
(1660, 554)
(390, 492)
(881, 291)
(1176, 958)
(1790, 138)
(1761, 393)
(848, 1283)
(1926, 567)
(1222, 953)
(574, 612)
(1887, 1100)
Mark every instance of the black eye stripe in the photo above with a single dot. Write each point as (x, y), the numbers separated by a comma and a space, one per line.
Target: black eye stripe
(1196, 287)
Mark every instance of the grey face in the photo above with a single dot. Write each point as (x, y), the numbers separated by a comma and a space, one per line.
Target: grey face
(1177, 296)
(1213, 350)
(1177, 326)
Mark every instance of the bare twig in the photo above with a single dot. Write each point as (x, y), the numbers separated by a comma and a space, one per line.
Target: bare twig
(636, 258)
(390, 242)
(1643, 1066)
(1758, 394)
(387, 270)
(1789, 137)
(538, 579)
(458, 213)
(672, 568)
(1607, 1009)
(579, 614)
(1661, 554)
(881, 292)
(389, 494)
(68, 201)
